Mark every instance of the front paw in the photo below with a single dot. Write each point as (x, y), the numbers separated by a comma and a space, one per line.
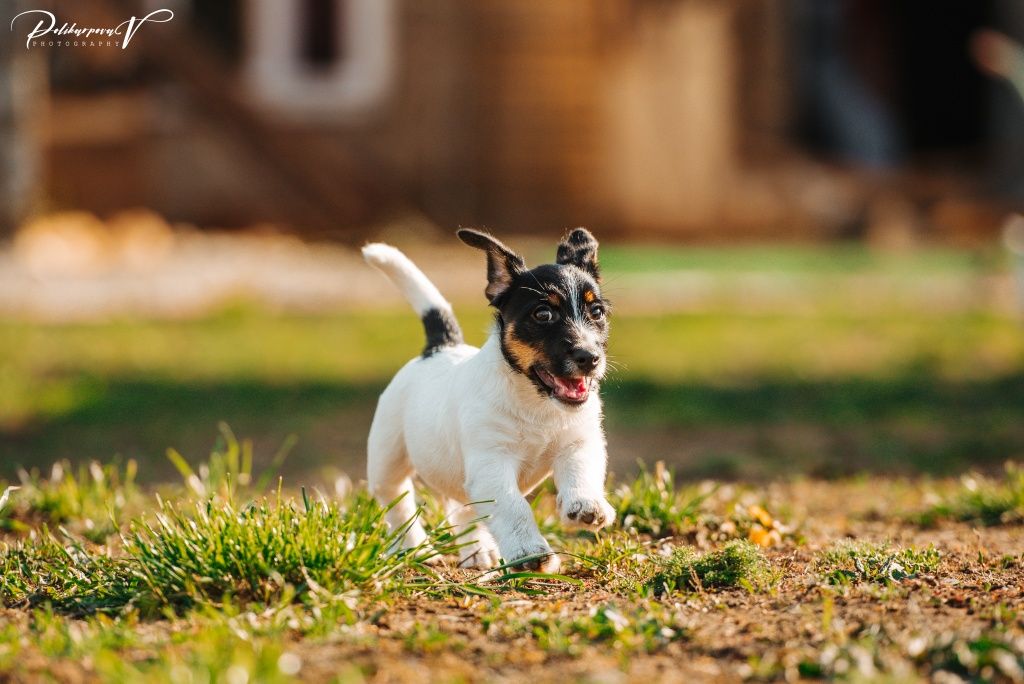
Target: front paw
(535, 558)
(590, 512)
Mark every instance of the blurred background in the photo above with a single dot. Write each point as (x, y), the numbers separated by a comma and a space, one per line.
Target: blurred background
(807, 211)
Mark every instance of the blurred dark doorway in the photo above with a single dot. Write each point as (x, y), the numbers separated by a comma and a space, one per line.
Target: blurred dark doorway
(221, 24)
(882, 83)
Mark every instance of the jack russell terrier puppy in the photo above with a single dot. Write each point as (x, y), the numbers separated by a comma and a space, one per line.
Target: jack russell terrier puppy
(483, 427)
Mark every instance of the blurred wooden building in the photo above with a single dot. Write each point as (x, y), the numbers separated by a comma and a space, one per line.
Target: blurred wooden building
(686, 118)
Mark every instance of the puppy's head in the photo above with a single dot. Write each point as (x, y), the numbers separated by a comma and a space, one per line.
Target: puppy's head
(552, 319)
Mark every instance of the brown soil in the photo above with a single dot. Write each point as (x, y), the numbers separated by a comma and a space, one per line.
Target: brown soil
(733, 634)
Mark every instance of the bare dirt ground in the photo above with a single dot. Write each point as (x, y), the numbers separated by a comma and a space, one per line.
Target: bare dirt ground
(801, 628)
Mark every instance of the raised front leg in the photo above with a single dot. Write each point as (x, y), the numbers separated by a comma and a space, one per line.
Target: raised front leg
(579, 472)
(492, 486)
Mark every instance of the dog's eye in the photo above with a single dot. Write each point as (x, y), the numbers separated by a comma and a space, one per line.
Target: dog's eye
(597, 312)
(543, 314)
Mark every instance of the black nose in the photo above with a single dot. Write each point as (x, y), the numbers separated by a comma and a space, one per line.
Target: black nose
(585, 359)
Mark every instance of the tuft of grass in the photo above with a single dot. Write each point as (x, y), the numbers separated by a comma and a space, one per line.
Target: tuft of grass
(215, 546)
(737, 564)
(853, 562)
(262, 552)
(42, 571)
(651, 504)
(983, 500)
(88, 500)
(266, 549)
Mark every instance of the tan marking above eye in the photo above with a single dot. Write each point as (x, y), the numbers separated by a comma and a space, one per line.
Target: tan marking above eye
(554, 299)
(589, 296)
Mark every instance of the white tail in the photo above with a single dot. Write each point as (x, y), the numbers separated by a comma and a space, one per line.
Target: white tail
(416, 287)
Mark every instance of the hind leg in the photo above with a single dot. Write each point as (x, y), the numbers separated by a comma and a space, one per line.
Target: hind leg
(389, 476)
(481, 551)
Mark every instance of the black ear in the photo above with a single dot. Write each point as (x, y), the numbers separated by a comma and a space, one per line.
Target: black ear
(579, 248)
(502, 263)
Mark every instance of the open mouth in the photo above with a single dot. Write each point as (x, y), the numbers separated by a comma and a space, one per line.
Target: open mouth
(567, 390)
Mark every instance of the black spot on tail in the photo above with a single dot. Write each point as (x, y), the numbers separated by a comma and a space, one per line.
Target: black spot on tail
(442, 331)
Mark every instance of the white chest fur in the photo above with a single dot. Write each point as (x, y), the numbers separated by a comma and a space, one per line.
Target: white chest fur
(467, 404)
(479, 433)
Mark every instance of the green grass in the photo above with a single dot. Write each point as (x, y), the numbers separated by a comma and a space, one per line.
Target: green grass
(68, 575)
(856, 562)
(984, 500)
(224, 543)
(737, 564)
(206, 552)
(793, 259)
(651, 504)
(270, 548)
(221, 580)
(93, 499)
(217, 579)
(884, 391)
(88, 500)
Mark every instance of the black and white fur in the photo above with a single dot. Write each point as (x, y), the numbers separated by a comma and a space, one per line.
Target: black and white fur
(483, 427)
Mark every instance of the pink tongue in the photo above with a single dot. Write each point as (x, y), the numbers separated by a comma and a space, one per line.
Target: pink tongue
(572, 388)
